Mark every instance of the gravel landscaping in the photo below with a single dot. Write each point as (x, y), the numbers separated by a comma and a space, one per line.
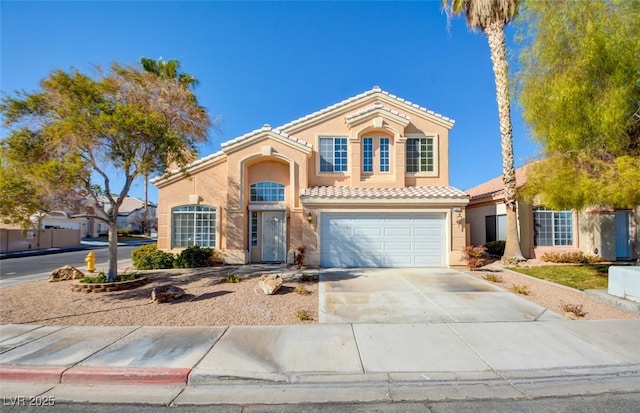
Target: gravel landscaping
(552, 296)
(208, 301)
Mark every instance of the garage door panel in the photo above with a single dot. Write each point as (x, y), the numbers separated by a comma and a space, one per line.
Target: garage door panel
(395, 246)
(383, 240)
(367, 232)
(434, 232)
(402, 232)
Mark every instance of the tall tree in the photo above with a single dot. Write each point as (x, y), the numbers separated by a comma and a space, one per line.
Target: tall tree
(170, 70)
(491, 17)
(30, 190)
(126, 119)
(579, 87)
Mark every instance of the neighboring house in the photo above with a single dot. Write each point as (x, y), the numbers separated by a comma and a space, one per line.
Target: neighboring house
(131, 214)
(364, 182)
(611, 233)
(64, 220)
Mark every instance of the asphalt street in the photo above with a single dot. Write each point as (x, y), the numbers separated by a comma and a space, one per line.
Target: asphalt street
(628, 403)
(24, 266)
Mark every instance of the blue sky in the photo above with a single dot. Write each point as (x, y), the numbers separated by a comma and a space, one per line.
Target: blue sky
(272, 62)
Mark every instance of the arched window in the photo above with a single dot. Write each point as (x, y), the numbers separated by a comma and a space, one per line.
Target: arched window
(193, 225)
(267, 192)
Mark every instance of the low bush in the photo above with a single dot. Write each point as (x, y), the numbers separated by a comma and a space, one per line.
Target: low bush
(577, 257)
(494, 278)
(303, 315)
(101, 278)
(474, 256)
(575, 309)
(302, 290)
(495, 248)
(520, 289)
(298, 257)
(149, 257)
(196, 257)
(232, 279)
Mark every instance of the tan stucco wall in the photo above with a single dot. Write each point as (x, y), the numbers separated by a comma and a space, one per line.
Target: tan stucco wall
(267, 156)
(207, 187)
(397, 177)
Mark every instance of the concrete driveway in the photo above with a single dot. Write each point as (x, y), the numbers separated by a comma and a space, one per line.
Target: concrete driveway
(418, 295)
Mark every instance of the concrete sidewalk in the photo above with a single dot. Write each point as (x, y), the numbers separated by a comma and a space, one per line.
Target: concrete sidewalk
(320, 363)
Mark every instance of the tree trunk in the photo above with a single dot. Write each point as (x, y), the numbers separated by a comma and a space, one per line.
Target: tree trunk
(113, 251)
(145, 221)
(498, 46)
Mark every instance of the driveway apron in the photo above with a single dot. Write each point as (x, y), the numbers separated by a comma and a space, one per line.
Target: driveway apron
(418, 295)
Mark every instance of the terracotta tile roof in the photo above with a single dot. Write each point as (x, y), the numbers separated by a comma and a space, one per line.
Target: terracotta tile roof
(495, 186)
(411, 192)
(374, 90)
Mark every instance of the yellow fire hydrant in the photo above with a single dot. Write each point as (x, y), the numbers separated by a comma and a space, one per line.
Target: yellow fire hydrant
(91, 261)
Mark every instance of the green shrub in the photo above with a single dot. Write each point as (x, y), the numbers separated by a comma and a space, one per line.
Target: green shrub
(149, 257)
(195, 257)
(577, 257)
(101, 278)
(495, 248)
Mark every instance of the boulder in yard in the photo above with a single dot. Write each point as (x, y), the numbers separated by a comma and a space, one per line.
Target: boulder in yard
(166, 293)
(67, 272)
(270, 283)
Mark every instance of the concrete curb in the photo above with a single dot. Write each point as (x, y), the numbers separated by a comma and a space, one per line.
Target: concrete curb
(34, 374)
(114, 375)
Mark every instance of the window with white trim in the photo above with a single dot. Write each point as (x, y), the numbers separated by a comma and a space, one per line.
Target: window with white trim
(266, 192)
(367, 154)
(193, 225)
(420, 155)
(333, 154)
(552, 228)
(384, 154)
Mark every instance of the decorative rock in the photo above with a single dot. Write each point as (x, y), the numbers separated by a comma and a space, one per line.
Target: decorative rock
(270, 283)
(65, 273)
(166, 293)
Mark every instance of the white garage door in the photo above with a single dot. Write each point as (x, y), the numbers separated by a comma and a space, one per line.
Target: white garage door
(382, 240)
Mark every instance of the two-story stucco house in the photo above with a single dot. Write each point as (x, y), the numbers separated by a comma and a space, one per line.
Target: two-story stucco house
(361, 183)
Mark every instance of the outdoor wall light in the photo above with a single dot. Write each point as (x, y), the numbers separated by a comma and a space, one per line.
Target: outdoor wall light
(309, 217)
(459, 218)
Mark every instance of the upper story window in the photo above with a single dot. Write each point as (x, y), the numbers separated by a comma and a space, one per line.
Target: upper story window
(333, 154)
(384, 154)
(372, 146)
(267, 192)
(193, 225)
(420, 157)
(552, 228)
(367, 154)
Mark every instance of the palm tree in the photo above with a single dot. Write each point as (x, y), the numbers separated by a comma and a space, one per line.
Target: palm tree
(491, 17)
(167, 70)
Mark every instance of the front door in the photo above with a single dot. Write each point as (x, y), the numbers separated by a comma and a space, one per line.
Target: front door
(274, 236)
(623, 234)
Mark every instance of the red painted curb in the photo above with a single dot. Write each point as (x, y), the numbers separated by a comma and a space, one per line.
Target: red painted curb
(48, 374)
(90, 375)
